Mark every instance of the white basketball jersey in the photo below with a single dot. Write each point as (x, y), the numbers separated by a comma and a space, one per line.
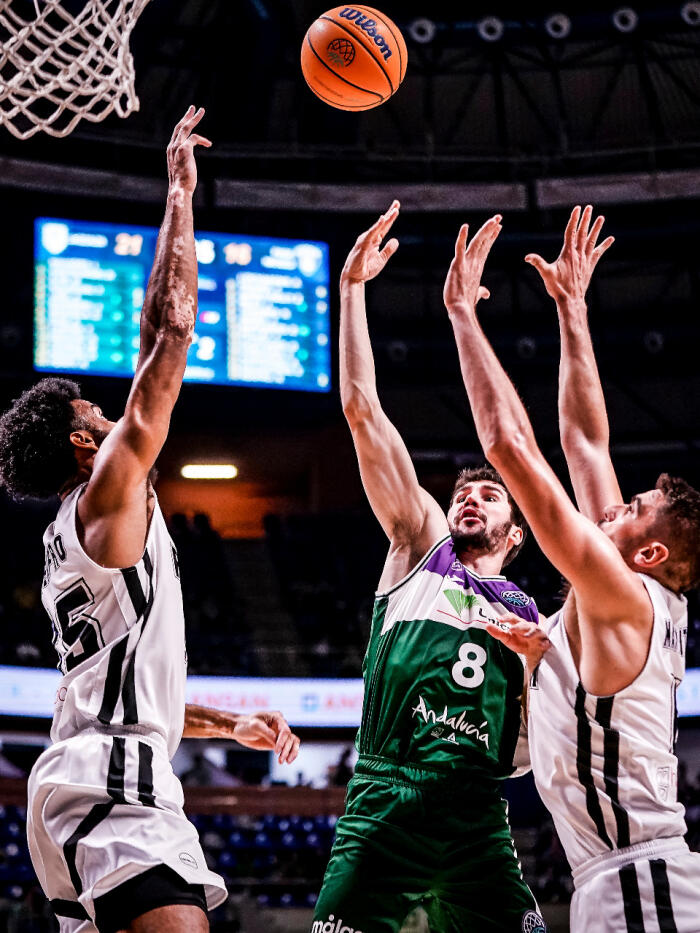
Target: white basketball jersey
(605, 766)
(119, 634)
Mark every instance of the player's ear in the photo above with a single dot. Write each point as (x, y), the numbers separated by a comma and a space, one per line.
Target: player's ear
(515, 535)
(651, 555)
(83, 440)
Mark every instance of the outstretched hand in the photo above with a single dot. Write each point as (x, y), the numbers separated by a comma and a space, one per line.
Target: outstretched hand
(182, 168)
(463, 288)
(522, 637)
(568, 277)
(267, 731)
(366, 260)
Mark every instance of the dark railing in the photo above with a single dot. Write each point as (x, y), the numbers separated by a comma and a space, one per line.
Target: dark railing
(277, 800)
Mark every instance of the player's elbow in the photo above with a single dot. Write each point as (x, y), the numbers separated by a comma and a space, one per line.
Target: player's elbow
(577, 442)
(177, 331)
(176, 318)
(359, 404)
(507, 447)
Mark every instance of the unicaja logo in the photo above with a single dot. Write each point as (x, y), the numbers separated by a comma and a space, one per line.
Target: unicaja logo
(332, 926)
(368, 26)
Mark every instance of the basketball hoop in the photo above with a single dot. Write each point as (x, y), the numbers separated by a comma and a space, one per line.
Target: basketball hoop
(57, 68)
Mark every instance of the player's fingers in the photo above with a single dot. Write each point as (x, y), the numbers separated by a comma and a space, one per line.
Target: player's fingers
(583, 230)
(282, 737)
(385, 220)
(388, 217)
(192, 118)
(180, 123)
(524, 629)
(389, 249)
(595, 232)
(384, 225)
(483, 294)
(585, 224)
(603, 247)
(484, 238)
(537, 261)
(199, 141)
(572, 226)
(275, 720)
(286, 749)
(187, 124)
(497, 632)
(291, 749)
(295, 749)
(195, 118)
(268, 735)
(488, 229)
(461, 242)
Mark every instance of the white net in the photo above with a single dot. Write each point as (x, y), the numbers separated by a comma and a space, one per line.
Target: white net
(58, 67)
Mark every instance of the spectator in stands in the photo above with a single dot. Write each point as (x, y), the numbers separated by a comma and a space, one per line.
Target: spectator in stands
(204, 773)
(343, 770)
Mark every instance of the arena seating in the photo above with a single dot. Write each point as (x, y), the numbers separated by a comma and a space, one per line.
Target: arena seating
(276, 861)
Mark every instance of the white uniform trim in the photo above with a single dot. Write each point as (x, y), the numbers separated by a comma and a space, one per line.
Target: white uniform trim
(103, 809)
(615, 859)
(605, 767)
(104, 804)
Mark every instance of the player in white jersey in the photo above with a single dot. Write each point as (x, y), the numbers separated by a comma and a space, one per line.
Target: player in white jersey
(602, 700)
(109, 840)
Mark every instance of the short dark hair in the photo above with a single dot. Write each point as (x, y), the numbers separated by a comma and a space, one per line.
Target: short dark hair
(487, 474)
(36, 455)
(681, 516)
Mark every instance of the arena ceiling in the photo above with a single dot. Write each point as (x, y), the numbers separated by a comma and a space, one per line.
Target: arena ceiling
(599, 113)
(547, 96)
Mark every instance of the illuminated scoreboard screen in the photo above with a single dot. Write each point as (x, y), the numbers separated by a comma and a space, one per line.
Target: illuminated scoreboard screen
(263, 305)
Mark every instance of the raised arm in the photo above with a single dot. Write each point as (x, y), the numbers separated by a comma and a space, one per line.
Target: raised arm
(111, 509)
(583, 420)
(614, 611)
(408, 514)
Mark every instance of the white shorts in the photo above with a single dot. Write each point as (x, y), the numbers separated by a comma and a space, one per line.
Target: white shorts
(653, 887)
(103, 809)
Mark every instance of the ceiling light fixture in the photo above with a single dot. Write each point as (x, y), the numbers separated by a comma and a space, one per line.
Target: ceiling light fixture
(209, 471)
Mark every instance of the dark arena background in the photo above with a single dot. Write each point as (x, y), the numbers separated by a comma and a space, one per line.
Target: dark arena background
(526, 113)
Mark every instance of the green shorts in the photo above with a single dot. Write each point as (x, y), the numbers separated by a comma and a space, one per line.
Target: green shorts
(407, 839)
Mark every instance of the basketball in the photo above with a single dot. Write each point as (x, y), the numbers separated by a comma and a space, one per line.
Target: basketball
(353, 58)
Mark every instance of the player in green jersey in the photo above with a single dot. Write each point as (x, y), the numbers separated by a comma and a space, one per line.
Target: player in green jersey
(425, 822)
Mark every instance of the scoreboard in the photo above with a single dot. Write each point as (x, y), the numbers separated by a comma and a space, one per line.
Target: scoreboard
(263, 305)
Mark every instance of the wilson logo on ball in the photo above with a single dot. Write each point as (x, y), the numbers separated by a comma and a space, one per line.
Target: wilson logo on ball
(369, 26)
(341, 52)
(353, 57)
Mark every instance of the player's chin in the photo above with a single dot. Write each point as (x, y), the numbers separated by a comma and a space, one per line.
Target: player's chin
(468, 530)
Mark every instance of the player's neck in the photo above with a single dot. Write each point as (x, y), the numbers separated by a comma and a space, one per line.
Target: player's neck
(82, 476)
(481, 563)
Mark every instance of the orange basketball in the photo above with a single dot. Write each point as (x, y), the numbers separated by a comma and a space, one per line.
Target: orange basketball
(353, 58)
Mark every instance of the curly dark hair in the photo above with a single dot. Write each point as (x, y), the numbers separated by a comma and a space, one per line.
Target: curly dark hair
(487, 474)
(680, 515)
(36, 455)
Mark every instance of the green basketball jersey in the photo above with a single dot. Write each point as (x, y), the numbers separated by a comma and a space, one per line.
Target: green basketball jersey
(440, 692)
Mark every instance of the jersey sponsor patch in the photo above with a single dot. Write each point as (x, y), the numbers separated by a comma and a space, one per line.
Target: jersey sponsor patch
(457, 723)
(533, 923)
(516, 598)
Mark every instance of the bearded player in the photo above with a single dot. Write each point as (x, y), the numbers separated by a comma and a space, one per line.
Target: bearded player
(602, 717)
(424, 821)
(107, 834)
